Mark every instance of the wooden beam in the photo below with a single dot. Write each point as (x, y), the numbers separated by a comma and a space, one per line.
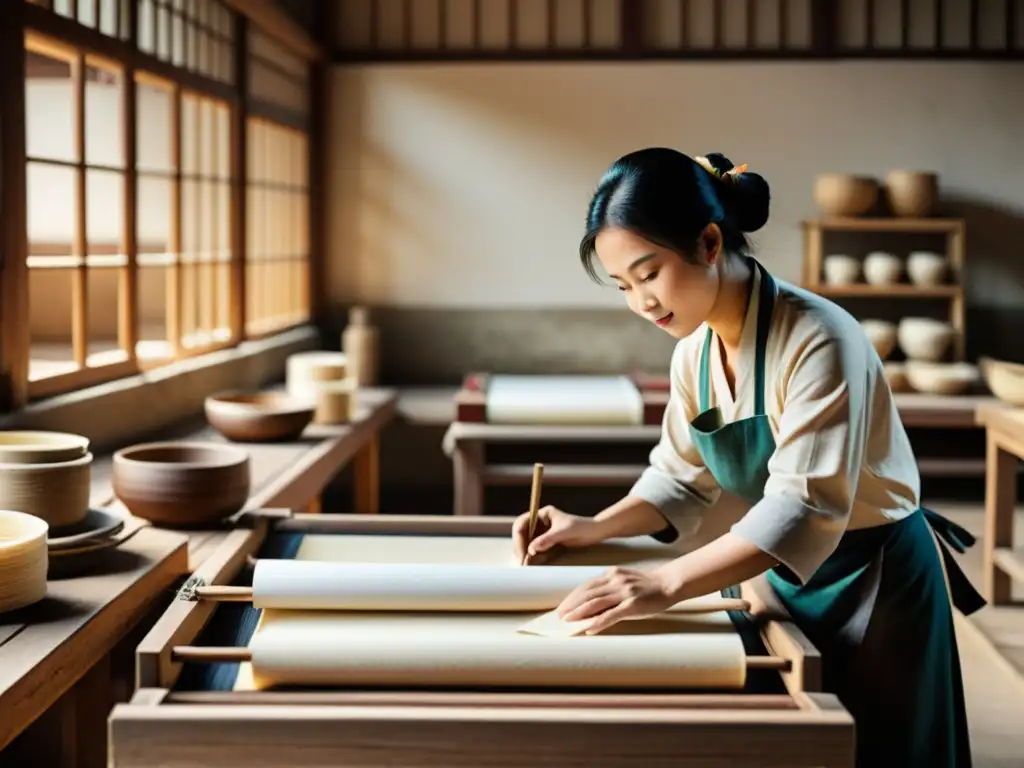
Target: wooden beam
(824, 27)
(239, 153)
(631, 25)
(319, 164)
(268, 17)
(127, 306)
(14, 320)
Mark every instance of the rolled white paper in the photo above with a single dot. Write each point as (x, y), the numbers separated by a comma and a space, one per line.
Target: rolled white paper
(564, 400)
(323, 585)
(472, 650)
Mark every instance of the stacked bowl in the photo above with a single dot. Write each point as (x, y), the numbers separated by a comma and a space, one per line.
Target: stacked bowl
(45, 482)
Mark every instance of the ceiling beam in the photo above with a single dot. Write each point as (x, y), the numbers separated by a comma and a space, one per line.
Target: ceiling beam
(273, 22)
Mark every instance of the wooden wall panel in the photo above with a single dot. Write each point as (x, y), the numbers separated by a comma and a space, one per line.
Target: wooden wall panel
(409, 30)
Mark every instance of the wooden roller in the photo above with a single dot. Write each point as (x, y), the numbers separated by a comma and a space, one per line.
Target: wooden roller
(227, 655)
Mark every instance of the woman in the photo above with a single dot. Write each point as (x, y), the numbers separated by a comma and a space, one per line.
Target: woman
(778, 397)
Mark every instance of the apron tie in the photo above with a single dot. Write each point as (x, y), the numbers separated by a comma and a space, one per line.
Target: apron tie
(963, 594)
(958, 537)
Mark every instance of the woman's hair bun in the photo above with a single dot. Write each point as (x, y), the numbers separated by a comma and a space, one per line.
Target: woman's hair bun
(746, 196)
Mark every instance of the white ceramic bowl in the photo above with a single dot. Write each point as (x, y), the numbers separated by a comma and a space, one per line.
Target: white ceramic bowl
(926, 268)
(941, 378)
(840, 269)
(922, 338)
(881, 268)
(896, 376)
(882, 334)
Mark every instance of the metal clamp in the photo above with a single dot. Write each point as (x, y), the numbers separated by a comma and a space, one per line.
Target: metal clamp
(188, 589)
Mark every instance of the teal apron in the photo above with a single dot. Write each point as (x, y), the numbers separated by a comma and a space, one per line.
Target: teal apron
(877, 609)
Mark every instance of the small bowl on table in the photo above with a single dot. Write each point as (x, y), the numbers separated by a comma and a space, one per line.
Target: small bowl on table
(182, 484)
(258, 417)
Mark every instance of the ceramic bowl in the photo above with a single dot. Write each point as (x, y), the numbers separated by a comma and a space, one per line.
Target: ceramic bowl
(896, 376)
(881, 268)
(941, 378)
(882, 335)
(248, 417)
(57, 491)
(181, 485)
(1005, 379)
(911, 194)
(926, 268)
(922, 338)
(41, 447)
(842, 194)
(24, 560)
(840, 269)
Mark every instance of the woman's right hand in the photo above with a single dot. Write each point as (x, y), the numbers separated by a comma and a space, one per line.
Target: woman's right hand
(553, 528)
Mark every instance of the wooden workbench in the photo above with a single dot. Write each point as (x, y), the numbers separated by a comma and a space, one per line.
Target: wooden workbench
(466, 442)
(1004, 439)
(65, 662)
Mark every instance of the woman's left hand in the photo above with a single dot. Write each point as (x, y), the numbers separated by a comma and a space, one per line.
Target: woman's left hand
(619, 594)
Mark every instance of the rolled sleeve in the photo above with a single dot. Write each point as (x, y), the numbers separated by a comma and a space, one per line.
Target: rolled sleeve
(814, 469)
(677, 483)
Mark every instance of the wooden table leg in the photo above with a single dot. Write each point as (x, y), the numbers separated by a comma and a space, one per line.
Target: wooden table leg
(1000, 500)
(367, 478)
(468, 468)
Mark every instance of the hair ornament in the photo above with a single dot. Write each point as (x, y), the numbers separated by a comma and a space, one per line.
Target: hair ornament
(729, 175)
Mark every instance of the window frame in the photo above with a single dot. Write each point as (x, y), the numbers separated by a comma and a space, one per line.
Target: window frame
(22, 20)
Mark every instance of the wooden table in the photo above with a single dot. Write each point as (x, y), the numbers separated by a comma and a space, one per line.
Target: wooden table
(467, 441)
(65, 662)
(1004, 430)
(293, 475)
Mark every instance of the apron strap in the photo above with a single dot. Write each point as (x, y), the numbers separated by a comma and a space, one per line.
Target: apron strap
(963, 594)
(765, 307)
(705, 376)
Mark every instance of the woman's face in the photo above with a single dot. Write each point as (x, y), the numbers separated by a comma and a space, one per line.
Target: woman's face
(659, 284)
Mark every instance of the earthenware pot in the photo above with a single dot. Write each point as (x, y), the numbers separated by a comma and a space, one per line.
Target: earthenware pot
(181, 485)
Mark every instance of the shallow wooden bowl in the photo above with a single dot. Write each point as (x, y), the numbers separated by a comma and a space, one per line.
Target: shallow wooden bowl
(182, 485)
(249, 417)
(41, 447)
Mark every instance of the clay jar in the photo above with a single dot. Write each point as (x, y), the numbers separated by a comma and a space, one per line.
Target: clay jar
(182, 485)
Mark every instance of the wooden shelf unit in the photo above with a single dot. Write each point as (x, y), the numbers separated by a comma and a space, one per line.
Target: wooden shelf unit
(954, 231)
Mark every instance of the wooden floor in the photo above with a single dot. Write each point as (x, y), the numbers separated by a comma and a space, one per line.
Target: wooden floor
(992, 652)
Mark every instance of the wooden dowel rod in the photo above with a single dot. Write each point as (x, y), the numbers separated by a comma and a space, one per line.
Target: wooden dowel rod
(438, 698)
(225, 594)
(210, 655)
(222, 594)
(215, 655)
